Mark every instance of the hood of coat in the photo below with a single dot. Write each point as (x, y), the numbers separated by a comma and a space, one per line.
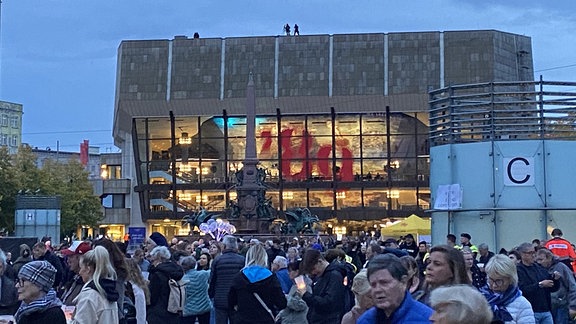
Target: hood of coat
(169, 269)
(109, 287)
(25, 251)
(256, 273)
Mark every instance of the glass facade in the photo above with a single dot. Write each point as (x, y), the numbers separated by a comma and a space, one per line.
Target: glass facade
(361, 166)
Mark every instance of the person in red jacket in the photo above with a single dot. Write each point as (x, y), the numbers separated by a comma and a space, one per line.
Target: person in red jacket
(562, 248)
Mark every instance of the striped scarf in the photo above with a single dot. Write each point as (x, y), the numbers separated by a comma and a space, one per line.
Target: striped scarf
(48, 301)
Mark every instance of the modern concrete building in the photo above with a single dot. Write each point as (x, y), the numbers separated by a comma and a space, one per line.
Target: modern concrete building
(342, 120)
(10, 125)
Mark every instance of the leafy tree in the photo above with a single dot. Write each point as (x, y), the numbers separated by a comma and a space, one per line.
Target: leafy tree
(70, 181)
(8, 190)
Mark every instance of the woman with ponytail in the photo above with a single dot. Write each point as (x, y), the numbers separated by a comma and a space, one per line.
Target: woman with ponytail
(96, 303)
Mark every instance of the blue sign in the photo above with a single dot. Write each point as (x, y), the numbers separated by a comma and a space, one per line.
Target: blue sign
(137, 237)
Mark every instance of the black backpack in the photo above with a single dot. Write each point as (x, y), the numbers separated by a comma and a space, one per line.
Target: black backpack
(129, 308)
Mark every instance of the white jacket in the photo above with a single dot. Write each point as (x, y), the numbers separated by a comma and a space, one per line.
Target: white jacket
(521, 311)
(93, 308)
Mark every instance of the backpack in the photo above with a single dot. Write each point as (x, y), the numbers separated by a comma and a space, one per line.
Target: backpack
(177, 295)
(129, 301)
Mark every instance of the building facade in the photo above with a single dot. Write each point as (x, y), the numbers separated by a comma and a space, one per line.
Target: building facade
(341, 128)
(10, 125)
(505, 148)
(113, 190)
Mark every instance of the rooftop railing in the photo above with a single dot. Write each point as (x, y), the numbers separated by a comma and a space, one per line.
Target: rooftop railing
(499, 111)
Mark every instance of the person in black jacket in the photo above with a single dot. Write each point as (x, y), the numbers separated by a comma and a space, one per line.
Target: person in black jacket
(160, 272)
(40, 252)
(224, 269)
(39, 301)
(256, 294)
(536, 283)
(325, 302)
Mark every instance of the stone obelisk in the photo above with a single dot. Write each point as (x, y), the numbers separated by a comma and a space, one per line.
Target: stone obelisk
(250, 189)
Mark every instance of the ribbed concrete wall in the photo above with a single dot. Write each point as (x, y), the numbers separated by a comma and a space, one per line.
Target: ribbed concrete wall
(319, 65)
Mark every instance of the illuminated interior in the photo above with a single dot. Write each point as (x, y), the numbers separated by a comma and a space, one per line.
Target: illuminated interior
(347, 167)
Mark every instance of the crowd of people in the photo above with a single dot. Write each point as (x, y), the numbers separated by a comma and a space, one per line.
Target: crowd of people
(313, 280)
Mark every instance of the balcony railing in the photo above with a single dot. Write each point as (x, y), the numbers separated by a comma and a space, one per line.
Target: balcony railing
(503, 111)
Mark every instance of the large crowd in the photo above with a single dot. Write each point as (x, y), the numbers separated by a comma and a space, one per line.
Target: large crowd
(315, 280)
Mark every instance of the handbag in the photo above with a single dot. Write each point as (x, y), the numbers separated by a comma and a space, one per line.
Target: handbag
(265, 306)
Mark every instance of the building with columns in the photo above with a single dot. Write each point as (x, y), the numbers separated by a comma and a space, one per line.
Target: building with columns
(341, 120)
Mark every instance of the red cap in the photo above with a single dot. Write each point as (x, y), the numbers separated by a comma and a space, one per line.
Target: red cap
(78, 247)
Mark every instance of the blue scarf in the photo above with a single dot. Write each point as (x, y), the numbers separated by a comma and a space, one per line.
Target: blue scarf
(48, 301)
(498, 301)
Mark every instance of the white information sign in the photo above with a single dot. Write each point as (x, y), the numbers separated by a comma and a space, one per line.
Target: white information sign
(448, 197)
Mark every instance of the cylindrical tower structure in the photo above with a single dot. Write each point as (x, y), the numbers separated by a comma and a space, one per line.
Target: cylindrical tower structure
(501, 161)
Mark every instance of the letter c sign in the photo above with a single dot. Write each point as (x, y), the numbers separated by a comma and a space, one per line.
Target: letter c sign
(518, 171)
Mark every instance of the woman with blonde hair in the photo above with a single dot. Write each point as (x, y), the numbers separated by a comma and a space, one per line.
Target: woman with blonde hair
(256, 292)
(96, 302)
(503, 294)
(140, 291)
(459, 304)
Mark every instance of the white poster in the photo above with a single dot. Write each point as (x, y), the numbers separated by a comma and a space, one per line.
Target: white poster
(448, 197)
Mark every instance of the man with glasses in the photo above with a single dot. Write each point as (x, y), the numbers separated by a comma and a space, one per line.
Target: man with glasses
(536, 284)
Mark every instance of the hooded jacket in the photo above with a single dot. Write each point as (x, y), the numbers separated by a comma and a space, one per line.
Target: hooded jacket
(93, 307)
(259, 280)
(24, 257)
(326, 301)
(159, 276)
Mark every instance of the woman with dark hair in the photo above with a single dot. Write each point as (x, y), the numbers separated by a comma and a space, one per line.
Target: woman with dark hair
(118, 261)
(326, 301)
(296, 308)
(445, 268)
(256, 292)
(515, 256)
(204, 262)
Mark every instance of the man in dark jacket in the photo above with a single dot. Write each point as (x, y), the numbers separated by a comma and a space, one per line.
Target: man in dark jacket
(409, 245)
(224, 269)
(536, 283)
(326, 301)
(41, 253)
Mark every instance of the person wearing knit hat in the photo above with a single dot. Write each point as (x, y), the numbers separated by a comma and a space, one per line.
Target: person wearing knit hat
(39, 300)
(361, 290)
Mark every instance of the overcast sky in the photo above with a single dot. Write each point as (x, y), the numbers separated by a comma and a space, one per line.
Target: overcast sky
(58, 57)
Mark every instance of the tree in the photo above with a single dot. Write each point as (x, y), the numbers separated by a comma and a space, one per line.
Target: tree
(70, 181)
(8, 190)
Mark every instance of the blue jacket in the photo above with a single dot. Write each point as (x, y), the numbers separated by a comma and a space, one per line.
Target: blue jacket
(197, 300)
(409, 312)
(285, 280)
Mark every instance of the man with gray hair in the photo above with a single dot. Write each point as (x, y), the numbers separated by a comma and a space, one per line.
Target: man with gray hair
(485, 254)
(224, 268)
(280, 268)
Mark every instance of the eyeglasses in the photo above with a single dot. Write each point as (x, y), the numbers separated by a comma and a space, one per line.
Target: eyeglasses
(528, 252)
(496, 282)
(20, 282)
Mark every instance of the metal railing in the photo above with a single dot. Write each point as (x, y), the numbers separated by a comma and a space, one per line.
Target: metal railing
(503, 111)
